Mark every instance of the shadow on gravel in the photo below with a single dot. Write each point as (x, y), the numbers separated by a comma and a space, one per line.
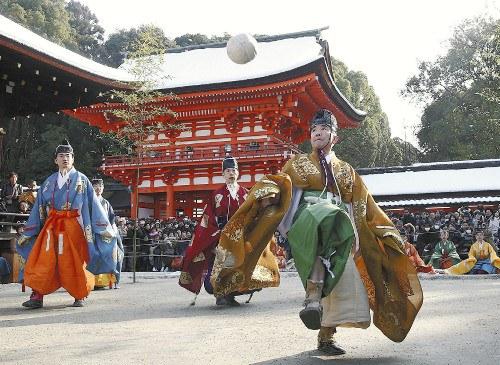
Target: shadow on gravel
(317, 358)
(51, 314)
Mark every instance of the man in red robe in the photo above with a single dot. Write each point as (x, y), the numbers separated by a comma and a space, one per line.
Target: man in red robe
(199, 256)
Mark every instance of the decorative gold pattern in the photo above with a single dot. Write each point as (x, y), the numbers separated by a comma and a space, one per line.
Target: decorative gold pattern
(204, 220)
(106, 236)
(267, 181)
(185, 278)
(22, 240)
(41, 212)
(234, 230)
(265, 191)
(21, 261)
(344, 176)
(220, 258)
(262, 274)
(359, 211)
(66, 206)
(199, 257)
(397, 238)
(231, 283)
(368, 284)
(218, 199)
(304, 167)
(79, 185)
(88, 233)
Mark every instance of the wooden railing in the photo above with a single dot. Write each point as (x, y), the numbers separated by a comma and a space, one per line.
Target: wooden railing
(190, 154)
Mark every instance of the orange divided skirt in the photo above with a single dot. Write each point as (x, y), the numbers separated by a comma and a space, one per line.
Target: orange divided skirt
(59, 257)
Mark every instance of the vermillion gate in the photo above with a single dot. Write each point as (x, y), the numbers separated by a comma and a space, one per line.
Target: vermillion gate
(257, 112)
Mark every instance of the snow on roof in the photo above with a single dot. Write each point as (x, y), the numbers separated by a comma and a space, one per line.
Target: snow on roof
(26, 37)
(433, 181)
(460, 162)
(211, 65)
(399, 203)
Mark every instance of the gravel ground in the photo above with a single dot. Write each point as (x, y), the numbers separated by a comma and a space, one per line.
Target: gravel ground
(151, 322)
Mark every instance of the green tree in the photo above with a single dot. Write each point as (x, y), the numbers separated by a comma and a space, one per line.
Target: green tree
(47, 18)
(461, 95)
(190, 39)
(370, 144)
(120, 45)
(139, 115)
(88, 34)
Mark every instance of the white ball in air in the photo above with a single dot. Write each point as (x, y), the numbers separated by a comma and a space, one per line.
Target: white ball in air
(241, 48)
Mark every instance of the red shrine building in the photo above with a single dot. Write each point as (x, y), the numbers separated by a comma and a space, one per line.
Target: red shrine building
(257, 112)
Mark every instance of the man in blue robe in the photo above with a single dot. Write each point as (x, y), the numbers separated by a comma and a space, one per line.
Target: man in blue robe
(67, 235)
(103, 280)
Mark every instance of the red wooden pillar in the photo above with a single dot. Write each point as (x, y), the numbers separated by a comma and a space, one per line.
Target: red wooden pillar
(133, 203)
(170, 201)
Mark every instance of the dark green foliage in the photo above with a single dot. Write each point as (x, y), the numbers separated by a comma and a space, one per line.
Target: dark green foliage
(371, 144)
(47, 18)
(88, 34)
(461, 93)
(189, 39)
(120, 44)
(31, 143)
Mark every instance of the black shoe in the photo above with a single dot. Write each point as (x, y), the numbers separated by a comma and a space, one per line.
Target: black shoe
(311, 317)
(78, 303)
(330, 348)
(33, 303)
(220, 301)
(99, 287)
(232, 302)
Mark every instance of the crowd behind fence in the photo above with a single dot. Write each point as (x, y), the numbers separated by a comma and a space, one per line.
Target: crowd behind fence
(422, 228)
(161, 243)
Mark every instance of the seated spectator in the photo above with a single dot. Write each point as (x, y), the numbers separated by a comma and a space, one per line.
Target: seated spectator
(482, 259)
(415, 259)
(10, 193)
(494, 224)
(29, 196)
(24, 207)
(466, 239)
(445, 253)
(426, 241)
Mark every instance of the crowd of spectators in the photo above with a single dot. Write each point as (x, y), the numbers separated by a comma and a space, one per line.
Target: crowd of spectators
(422, 228)
(160, 244)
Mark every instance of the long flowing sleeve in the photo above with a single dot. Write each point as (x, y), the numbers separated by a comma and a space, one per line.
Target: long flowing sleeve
(100, 235)
(32, 228)
(391, 281)
(243, 259)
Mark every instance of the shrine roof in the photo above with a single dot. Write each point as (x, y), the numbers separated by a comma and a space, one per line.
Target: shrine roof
(190, 69)
(279, 57)
(434, 178)
(21, 36)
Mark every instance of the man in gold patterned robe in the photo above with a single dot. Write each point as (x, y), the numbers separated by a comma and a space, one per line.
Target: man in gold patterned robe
(348, 254)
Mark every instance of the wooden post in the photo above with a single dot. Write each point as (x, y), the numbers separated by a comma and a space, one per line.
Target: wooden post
(170, 201)
(133, 203)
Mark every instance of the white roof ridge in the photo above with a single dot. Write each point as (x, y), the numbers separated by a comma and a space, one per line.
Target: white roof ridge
(27, 38)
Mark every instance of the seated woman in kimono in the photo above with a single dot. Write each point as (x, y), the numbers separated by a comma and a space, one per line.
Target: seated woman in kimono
(482, 259)
(445, 253)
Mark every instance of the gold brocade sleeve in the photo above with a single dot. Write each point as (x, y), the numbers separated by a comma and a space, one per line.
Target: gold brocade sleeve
(243, 259)
(391, 281)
